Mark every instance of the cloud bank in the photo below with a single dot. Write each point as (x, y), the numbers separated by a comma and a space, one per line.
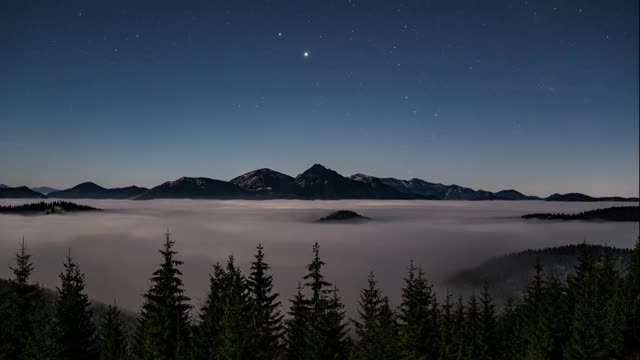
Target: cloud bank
(118, 249)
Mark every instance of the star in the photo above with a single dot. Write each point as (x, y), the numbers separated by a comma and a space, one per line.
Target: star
(279, 34)
(305, 54)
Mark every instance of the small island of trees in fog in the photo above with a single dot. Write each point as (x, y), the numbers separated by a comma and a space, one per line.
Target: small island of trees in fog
(592, 314)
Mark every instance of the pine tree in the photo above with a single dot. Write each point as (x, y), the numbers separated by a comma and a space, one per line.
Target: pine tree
(76, 331)
(459, 330)
(43, 343)
(418, 318)
(367, 327)
(585, 341)
(533, 331)
(448, 343)
(555, 319)
(266, 327)
(163, 324)
(112, 342)
(206, 332)
(508, 330)
(488, 325)
(325, 333)
(233, 340)
(389, 332)
(631, 295)
(473, 329)
(297, 327)
(23, 300)
(376, 328)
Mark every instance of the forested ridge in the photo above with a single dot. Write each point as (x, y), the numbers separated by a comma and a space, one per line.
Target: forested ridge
(592, 314)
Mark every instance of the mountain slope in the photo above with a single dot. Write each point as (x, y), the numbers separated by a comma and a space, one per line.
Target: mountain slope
(89, 190)
(509, 274)
(266, 180)
(44, 189)
(20, 192)
(319, 182)
(196, 188)
(583, 197)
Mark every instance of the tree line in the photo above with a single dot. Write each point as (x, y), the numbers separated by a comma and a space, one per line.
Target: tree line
(592, 314)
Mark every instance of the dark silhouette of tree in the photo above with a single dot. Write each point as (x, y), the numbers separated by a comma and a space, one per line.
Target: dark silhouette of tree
(23, 300)
(112, 342)
(488, 326)
(473, 348)
(43, 343)
(631, 293)
(266, 320)
(375, 328)
(296, 327)
(508, 332)
(448, 337)
(76, 331)
(326, 327)
(163, 326)
(418, 317)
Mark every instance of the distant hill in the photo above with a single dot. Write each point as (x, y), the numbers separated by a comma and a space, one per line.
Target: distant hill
(21, 192)
(507, 275)
(3, 186)
(89, 190)
(44, 189)
(344, 216)
(196, 188)
(582, 197)
(316, 183)
(436, 191)
(621, 213)
(267, 181)
(45, 208)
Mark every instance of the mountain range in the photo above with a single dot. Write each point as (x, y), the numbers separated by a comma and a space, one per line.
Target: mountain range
(316, 183)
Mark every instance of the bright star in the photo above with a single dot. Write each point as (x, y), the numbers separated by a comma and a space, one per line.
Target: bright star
(305, 54)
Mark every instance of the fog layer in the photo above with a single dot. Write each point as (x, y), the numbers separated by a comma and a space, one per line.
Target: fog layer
(118, 248)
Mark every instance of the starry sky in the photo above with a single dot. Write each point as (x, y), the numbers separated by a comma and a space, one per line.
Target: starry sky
(540, 96)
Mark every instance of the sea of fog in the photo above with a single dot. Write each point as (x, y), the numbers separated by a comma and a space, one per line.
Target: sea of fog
(118, 248)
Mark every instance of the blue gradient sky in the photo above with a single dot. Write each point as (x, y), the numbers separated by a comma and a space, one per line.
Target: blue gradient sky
(541, 96)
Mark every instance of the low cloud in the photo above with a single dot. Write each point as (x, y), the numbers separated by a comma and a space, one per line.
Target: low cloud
(118, 249)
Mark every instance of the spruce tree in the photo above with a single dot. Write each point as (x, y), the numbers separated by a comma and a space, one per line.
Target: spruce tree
(367, 327)
(631, 295)
(488, 325)
(418, 317)
(459, 330)
(76, 332)
(585, 340)
(163, 324)
(297, 326)
(536, 339)
(234, 336)
(389, 331)
(112, 342)
(508, 332)
(376, 328)
(23, 300)
(325, 333)
(473, 329)
(205, 341)
(266, 320)
(448, 343)
(43, 342)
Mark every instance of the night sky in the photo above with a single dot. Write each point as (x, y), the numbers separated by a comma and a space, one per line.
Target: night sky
(541, 96)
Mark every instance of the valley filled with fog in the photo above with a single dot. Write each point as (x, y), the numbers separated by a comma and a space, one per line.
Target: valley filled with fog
(118, 248)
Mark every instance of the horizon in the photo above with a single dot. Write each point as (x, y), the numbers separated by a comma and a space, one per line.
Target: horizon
(541, 98)
(327, 167)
